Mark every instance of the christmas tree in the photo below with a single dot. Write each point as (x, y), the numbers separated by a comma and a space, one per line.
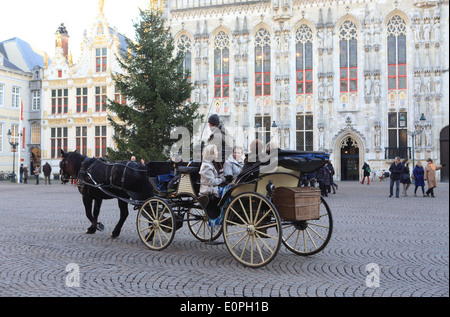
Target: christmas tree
(156, 89)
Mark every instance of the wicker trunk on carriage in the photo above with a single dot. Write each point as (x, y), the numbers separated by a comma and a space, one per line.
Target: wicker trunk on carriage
(266, 206)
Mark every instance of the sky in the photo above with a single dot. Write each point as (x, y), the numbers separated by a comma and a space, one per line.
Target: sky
(36, 21)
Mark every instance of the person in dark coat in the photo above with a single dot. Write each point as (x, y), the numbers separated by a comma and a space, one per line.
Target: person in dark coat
(47, 169)
(418, 173)
(366, 173)
(406, 178)
(396, 170)
(323, 177)
(25, 175)
(309, 179)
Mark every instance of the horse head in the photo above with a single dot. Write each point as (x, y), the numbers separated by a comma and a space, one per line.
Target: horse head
(70, 165)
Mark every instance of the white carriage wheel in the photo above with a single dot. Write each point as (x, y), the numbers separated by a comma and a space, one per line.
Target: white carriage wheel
(308, 237)
(252, 229)
(156, 224)
(198, 225)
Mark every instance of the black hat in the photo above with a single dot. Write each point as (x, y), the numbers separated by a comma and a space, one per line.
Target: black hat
(214, 119)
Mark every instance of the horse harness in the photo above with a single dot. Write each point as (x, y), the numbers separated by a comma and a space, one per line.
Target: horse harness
(89, 164)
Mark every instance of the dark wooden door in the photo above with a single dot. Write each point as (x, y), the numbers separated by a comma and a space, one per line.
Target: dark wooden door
(349, 162)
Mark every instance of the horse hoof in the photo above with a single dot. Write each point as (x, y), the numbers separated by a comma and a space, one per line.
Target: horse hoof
(90, 231)
(114, 235)
(100, 226)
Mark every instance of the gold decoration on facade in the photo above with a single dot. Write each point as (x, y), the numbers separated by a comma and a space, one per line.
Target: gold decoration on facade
(157, 5)
(101, 4)
(58, 39)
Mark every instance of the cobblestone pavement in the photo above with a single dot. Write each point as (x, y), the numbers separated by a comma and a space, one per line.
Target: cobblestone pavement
(43, 245)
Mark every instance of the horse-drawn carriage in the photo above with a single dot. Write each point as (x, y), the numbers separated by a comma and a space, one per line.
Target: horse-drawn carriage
(263, 208)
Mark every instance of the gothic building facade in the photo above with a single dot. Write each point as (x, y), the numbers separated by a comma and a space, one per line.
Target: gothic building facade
(361, 80)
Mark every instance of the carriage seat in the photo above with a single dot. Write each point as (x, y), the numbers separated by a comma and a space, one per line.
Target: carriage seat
(188, 169)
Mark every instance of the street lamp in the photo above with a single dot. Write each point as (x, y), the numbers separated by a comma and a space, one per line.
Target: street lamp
(413, 137)
(14, 146)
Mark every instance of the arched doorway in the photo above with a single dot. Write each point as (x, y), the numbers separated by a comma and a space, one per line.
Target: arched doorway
(444, 140)
(349, 160)
(35, 158)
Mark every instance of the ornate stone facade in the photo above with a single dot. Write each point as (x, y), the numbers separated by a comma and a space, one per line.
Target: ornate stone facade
(352, 78)
(74, 114)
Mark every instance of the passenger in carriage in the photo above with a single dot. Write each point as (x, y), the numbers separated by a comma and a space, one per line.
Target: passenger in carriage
(210, 179)
(233, 165)
(252, 158)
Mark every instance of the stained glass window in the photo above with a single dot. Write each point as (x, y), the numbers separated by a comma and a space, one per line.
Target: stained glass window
(303, 57)
(396, 53)
(221, 65)
(348, 57)
(262, 63)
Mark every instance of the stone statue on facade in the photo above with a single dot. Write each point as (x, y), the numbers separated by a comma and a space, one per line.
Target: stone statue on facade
(426, 31)
(368, 85)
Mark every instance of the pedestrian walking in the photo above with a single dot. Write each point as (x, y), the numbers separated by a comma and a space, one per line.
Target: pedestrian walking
(25, 175)
(47, 169)
(36, 174)
(366, 173)
(323, 177)
(21, 173)
(430, 177)
(331, 173)
(309, 179)
(418, 178)
(333, 184)
(406, 177)
(396, 170)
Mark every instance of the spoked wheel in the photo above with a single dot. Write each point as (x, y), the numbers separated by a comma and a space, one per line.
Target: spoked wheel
(252, 229)
(156, 224)
(198, 224)
(308, 237)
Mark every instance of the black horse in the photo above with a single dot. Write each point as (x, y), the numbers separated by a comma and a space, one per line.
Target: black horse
(97, 180)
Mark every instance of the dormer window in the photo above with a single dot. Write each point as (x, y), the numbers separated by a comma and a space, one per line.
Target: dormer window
(101, 59)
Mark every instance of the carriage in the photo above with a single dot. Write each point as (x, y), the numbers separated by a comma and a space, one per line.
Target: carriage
(264, 208)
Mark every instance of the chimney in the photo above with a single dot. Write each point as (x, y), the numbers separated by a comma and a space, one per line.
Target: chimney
(63, 37)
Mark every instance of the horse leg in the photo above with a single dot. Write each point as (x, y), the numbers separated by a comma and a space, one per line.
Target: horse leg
(87, 201)
(123, 216)
(97, 206)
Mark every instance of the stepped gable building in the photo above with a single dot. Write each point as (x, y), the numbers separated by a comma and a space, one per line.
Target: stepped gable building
(21, 71)
(351, 78)
(74, 113)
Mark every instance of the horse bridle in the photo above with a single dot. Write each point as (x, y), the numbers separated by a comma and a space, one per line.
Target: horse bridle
(62, 172)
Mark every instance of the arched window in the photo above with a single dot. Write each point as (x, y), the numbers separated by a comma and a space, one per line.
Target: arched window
(304, 60)
(396, 50)
(262, 63)
(348, 53)
(221, 65)
(184, 44)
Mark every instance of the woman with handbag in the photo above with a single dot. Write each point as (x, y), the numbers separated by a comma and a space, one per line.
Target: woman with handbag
(406, 179)
(430, 176)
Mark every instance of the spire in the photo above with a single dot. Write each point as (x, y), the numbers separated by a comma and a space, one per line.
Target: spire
(101, 4)
(320, 24)
(237, 29)
(62, 39)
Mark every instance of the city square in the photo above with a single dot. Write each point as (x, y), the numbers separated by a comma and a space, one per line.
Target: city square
(380, 247)
(299, 83)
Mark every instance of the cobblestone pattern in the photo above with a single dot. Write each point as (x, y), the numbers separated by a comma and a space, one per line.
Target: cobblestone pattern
(42, 231)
